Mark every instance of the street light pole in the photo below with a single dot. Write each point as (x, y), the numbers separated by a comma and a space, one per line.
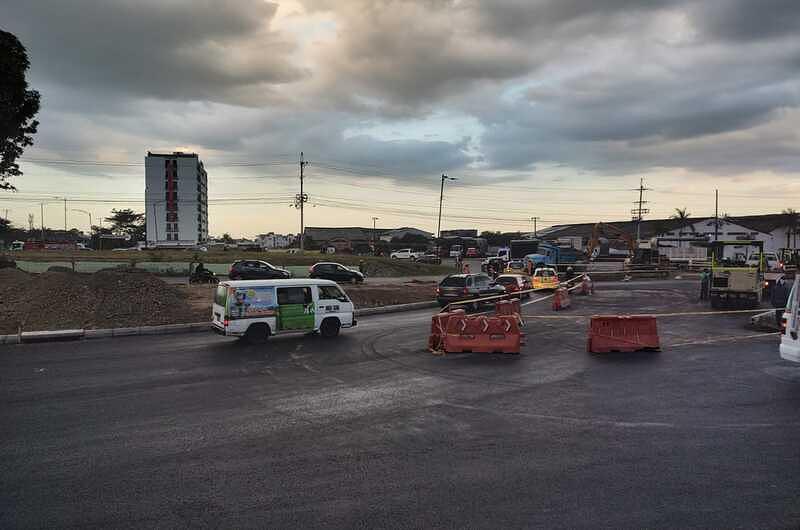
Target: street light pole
(439, 228)
(374, 239)
(87, 213)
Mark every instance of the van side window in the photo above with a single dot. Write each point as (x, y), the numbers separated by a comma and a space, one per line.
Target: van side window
(294, 295)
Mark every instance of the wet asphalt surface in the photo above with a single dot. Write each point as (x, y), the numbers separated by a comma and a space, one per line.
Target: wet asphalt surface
(369, 430)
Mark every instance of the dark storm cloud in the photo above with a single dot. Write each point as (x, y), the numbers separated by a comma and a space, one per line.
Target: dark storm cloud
(747, 20)
(610, 86)
(180, 50)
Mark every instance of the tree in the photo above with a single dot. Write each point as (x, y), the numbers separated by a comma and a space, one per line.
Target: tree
(5, 225)
(791, 218)
(680, 215)
(226, 238)
(128, 222)
(18, 106)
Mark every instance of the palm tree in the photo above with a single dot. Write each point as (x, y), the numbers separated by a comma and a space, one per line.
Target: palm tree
(681, 215)
(791, 218)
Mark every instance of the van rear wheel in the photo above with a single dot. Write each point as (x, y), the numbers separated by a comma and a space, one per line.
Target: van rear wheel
(330, 328)
(257, 334)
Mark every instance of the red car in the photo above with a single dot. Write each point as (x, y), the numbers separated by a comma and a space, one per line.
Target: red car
(514, 283)
(472, 252)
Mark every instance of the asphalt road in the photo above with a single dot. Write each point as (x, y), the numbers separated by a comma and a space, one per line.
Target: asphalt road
(369, 430)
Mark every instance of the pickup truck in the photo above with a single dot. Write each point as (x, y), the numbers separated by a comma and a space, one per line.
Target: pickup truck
(406, 253)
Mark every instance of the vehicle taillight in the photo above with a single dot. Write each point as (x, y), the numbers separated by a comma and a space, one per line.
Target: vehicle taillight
(465, 291)
(226, 322)
(783, 325)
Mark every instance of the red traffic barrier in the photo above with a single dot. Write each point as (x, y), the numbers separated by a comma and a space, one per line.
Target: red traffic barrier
(507, 307)
(439, 328)
(622, 334)
(561, 299)
(482, 334)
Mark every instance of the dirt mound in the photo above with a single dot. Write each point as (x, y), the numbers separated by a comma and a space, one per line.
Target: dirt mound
(60, 300)
(372, 296)
(59, 268)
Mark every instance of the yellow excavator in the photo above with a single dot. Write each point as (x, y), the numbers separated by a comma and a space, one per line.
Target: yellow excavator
(593, 246)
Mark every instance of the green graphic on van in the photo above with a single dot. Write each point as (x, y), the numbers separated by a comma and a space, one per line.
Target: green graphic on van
(295, 308)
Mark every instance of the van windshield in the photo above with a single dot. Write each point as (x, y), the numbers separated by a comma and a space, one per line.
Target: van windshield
(221, 295)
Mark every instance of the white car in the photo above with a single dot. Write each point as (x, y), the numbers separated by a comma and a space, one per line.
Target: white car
(790, 324)
(406, 253)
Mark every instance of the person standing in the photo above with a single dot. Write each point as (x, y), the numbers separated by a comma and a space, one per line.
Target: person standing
(779, 297)
(705, 279)
(361, 266)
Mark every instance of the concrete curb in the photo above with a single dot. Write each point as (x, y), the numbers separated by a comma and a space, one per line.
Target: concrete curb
(76, 334)
(380, 310)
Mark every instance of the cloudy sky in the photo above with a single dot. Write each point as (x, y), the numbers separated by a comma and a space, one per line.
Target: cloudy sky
(547, 108)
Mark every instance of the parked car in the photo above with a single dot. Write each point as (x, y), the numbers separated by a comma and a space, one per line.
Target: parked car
(472, 252)
(770, 260)
(336, 272)
(515, 283)
(458, 287)
(256, 270)
(406, 253)
(430, 257)
(515, 267)
(545, 278)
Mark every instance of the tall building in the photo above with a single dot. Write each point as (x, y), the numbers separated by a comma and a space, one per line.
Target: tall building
(176, 199)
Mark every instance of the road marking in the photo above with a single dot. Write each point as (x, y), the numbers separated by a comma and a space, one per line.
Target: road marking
(723, 339)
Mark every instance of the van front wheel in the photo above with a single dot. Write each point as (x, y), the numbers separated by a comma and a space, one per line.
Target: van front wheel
(257, 334)
(330, 328)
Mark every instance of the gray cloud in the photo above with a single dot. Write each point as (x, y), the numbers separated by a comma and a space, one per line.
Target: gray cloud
(611, 86)
(179, 50)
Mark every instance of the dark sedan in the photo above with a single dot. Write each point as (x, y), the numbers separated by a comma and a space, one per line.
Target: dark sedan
(459, 287)
(336, 272)
(256, 270)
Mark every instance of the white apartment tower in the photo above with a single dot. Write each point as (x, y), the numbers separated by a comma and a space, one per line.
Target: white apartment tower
(176, 199)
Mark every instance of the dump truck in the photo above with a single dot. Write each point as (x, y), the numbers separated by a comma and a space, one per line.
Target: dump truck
(734, 284)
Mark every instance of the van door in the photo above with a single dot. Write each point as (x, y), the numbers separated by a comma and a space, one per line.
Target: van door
(295, 308)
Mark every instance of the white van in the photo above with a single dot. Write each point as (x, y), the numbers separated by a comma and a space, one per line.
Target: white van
(790, 343)
(256, 309)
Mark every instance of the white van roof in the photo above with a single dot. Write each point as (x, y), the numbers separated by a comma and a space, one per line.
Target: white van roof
(293, 282)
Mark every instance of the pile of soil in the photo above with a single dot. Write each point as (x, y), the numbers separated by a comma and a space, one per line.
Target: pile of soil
(67, 300)
(378, 295)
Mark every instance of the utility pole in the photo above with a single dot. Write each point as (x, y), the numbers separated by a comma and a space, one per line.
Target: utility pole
(716, 215)
(299, 200)
(374, 238)
(87, 213)
(535, 231)
(41, 206)
(30, 224)
(65, 217)
(439, 228)
(639, 211)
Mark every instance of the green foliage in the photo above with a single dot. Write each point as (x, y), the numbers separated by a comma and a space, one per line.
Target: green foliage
(18, 106)
(126, 221)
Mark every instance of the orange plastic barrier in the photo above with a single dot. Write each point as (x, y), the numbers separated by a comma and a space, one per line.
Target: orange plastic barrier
(439, 328)
(507, 307)
(485, 334)
(561, 299)
(622, 333)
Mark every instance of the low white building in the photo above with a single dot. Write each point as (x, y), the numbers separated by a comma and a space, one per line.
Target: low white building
(273, 240)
